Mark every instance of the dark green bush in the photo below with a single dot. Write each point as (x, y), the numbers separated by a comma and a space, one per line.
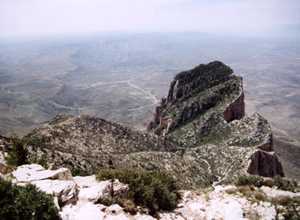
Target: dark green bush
(78, 171)
(285, 184)
(250, 180)
(17, 155)
(154, 190)
(18, 203)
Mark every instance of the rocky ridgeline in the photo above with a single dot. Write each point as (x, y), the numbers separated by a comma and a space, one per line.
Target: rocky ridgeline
(199, 134)
(80, 198)
(86, 143)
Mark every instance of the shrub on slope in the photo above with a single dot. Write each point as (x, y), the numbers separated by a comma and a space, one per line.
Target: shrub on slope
(18, 203)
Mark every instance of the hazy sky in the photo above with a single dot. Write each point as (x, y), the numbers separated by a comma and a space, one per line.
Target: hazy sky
(47, 17)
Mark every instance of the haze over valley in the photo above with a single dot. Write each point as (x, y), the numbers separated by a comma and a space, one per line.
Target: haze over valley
(122, 77)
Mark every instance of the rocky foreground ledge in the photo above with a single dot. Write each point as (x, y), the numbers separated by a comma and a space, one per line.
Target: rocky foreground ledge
(78, 198)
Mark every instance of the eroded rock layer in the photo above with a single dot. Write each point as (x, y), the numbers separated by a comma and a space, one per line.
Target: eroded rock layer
(193, 93)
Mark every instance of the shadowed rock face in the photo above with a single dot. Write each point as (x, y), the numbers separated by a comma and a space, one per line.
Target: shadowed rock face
(265, 164)
(235, 110)
(199, 134)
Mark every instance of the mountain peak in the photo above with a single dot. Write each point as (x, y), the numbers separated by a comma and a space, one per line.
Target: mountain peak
(199, 134)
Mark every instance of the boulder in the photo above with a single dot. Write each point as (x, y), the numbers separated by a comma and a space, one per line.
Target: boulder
(65, 190)
(265, 164)
(92, 190)
(193, 206)
(277, 193)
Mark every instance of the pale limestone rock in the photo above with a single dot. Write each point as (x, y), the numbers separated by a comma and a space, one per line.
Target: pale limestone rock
(276, 193)
(266, 211)
(114, 209)
(193, 207)
(65, 190)
(171, 216)
(115, 212)
(224, 208)
(85, 181)
(84, 211)
(94, 192)
(91, 189)
(218, 204)
(33, 172)
(139, 216)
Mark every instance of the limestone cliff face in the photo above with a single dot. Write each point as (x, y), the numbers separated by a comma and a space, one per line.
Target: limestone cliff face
(194, 92)
(199, 134)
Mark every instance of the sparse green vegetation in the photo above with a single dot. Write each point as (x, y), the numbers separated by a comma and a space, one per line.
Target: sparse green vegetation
(288, 207)
(18, 154)
(42, 160)
(154, 190)
(252, 194)
(77, 171)
(34, 141)
(249, 180)
(27, 202)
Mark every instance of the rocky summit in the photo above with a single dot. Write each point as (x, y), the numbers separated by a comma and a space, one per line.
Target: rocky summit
(199, 134)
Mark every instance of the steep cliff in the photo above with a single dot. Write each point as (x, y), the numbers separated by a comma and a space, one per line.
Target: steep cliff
(193, 93)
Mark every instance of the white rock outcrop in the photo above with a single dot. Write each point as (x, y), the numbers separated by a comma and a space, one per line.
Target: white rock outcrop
(78, 196)
(33, 172)
(91, 189)
(66, 191)
(88, 211)
(277, 193)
